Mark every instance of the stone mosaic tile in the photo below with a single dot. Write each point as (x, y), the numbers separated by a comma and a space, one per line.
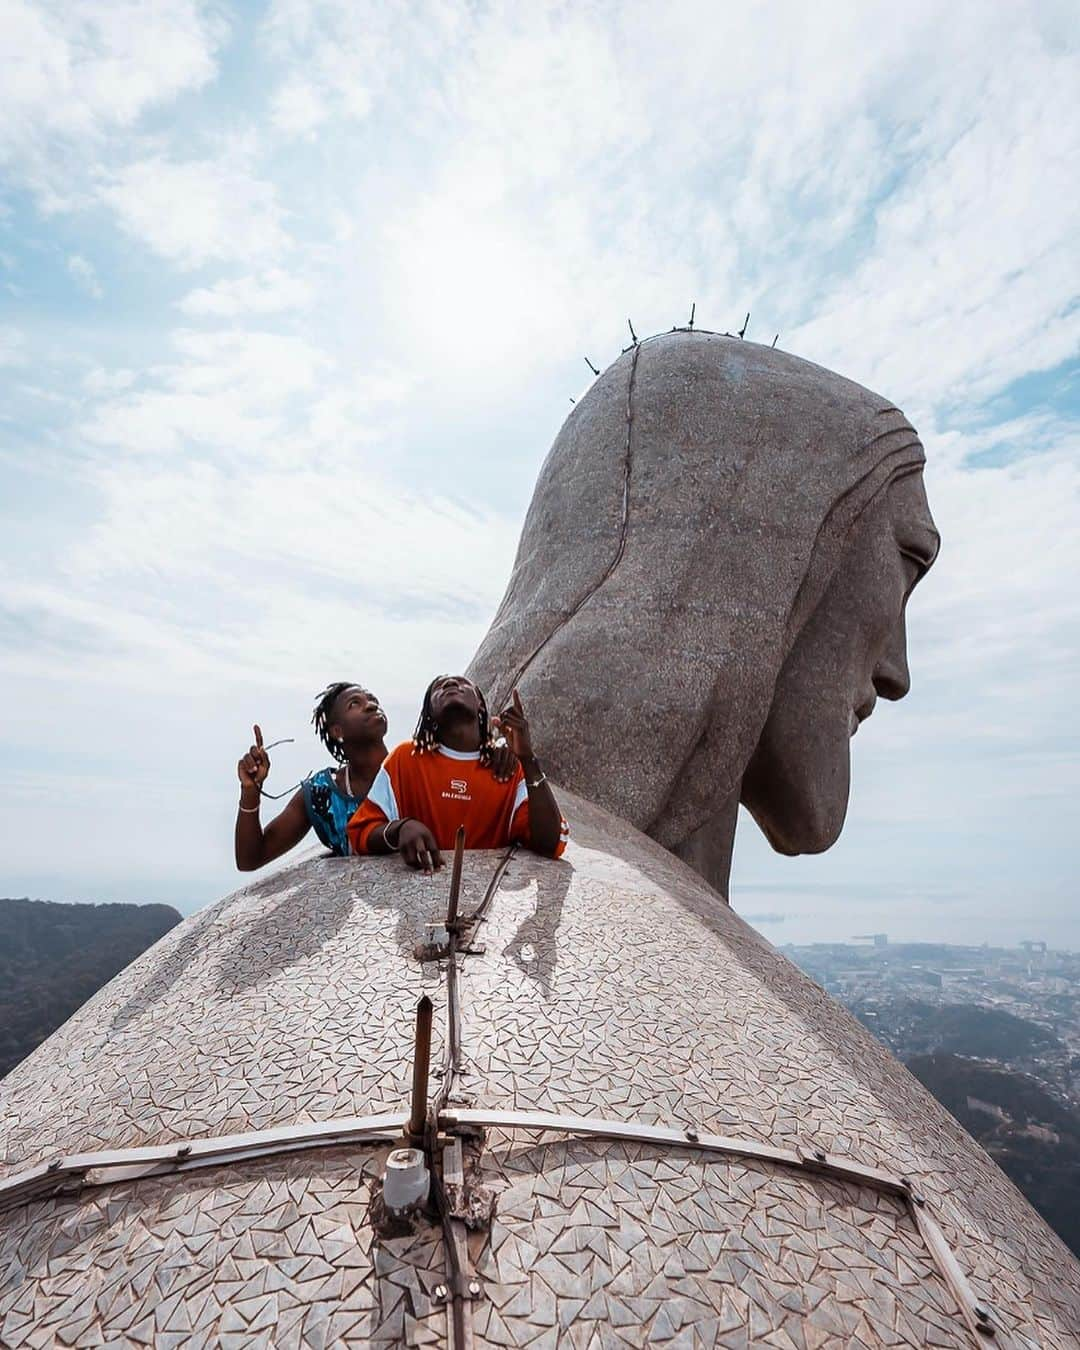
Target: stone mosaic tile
(612, 984)
(227, 1257)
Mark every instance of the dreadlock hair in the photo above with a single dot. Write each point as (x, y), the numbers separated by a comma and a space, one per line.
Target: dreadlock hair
(426, 736)
(320, 718)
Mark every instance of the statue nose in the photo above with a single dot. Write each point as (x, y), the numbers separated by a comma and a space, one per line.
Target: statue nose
(892, 678)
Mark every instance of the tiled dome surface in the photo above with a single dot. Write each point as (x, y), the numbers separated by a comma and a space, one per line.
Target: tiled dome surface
(612, 984)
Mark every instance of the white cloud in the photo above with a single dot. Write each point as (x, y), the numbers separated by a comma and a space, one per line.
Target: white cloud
(101, 381)
(73, 74)
(872, 185)
(268, 292)
(12, 346)
(227, 392)
(85, 274)
(299, 108)
(198, 211)
(339, 55)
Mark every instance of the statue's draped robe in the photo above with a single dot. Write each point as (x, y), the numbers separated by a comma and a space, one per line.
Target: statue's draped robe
(612, 984)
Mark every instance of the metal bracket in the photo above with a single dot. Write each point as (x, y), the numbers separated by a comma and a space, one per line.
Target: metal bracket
(64, 1174)
(976, 1315)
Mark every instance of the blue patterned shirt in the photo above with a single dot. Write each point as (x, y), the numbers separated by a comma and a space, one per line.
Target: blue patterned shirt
(329, 809)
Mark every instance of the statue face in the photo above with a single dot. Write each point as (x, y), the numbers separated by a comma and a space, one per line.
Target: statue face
(852, 652)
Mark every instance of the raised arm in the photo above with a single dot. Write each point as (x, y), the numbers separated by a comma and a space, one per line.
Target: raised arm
(255, 847)
(546, 825)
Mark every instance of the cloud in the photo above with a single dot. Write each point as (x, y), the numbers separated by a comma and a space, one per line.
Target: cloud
(269, 292)
(254, 455)
(337, 56)
(12, 346)
(101, 381)
(74, 74)
(228, 390)
(299, 108)
(836, 182)
(197, 211)
(85, 275)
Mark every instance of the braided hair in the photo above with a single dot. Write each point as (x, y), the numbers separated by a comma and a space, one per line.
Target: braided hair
(426, 736)
(320, 718)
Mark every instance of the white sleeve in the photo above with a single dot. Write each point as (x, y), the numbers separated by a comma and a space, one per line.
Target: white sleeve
(381, 794)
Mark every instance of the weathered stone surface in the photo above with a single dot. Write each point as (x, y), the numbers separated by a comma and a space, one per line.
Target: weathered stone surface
(614, 983)
(709, 589)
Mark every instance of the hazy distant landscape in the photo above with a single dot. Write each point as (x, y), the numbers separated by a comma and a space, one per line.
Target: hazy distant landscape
(992, 1032)
(54, 957)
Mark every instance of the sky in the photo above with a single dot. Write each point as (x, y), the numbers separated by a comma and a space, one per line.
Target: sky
(294, 298)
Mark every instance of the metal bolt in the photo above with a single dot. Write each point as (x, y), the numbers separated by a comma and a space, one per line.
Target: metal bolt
(183, 1150)
(693, 1136)
(474, 1288)
(819, 1155)
(441, 1292)
(54, 1166)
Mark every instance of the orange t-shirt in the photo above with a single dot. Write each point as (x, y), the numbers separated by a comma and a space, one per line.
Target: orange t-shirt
(444, 789)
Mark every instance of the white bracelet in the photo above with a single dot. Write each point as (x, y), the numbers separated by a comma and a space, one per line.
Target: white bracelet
(541, 779)
(394, 848)
(249, 810)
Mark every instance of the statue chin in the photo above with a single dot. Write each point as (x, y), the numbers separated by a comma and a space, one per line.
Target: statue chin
(796, 811)
(798, 834)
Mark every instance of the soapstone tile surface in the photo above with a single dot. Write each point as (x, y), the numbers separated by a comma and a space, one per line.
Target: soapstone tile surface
(614, 983)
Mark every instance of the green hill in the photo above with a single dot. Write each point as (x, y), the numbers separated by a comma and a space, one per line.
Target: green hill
(1029, 1134)
(985, 1033)
(54, 957)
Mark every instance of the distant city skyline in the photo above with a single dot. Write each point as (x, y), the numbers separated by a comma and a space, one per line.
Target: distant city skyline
(295, 299)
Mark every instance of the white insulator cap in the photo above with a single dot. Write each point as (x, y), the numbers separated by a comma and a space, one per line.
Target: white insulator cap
(406, 1181)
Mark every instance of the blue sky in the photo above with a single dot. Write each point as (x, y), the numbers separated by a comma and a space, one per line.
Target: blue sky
(294, 297)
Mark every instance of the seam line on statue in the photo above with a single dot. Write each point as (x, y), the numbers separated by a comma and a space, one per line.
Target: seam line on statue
(623, 528)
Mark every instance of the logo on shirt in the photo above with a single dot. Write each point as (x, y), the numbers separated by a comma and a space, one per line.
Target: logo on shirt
(459, 790)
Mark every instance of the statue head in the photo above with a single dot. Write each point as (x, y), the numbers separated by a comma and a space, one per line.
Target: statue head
(709, 592)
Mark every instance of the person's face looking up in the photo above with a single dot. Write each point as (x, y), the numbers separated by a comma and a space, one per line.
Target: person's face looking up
(358, 717)
(852, 651)
(453, 697)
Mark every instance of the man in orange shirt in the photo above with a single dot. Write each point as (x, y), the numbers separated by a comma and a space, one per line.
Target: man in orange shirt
(442, 779)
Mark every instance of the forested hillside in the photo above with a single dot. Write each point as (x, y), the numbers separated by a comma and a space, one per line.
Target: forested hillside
(1032, 1137)
(54, 957)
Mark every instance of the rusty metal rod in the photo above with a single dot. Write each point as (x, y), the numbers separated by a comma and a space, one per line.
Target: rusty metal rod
(455, 880)
(421, 1065)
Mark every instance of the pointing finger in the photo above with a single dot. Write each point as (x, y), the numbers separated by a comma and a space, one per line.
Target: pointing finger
(258, 735)
(517, 702)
